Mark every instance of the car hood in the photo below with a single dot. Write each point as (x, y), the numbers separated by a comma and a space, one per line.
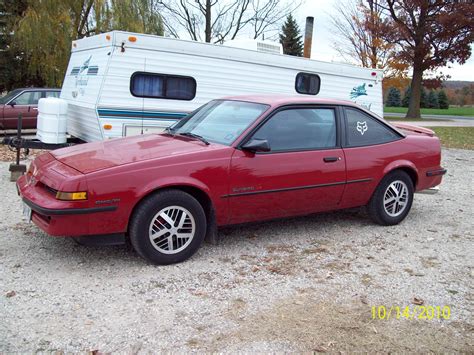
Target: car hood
(90, 157)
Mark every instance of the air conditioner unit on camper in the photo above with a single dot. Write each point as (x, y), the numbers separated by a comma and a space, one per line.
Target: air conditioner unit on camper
(256, 45)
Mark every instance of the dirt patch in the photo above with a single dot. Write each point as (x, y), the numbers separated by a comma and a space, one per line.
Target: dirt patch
(8, 154)
(308, 324)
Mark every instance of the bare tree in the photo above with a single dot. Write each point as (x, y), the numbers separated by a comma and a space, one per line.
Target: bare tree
(218, 20)
(361, 31)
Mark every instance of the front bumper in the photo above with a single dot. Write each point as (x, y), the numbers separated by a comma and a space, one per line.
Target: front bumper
(66, 211)
(61, 218)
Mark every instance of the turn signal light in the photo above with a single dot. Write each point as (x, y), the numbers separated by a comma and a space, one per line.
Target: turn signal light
(132, 39)
(107, 126)
(71, 196)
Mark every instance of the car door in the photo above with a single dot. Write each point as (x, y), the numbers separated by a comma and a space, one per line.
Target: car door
(369, 146)
(304, 172)
(27, 104)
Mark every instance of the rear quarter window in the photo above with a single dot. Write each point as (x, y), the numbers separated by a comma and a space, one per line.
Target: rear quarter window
(362, 130)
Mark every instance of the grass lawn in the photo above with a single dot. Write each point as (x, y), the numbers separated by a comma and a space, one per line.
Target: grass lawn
(455, 137)
(455, 111)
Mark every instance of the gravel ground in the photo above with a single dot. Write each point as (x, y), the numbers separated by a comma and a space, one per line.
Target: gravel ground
(303, 284)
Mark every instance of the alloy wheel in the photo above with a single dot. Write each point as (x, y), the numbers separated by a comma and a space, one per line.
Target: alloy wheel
(172, 229)
(395, 198)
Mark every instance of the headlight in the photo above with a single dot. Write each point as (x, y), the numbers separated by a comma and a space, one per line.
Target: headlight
(71, 196)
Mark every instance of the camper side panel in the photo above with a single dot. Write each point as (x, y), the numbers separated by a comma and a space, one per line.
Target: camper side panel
(215, 78)
(81, 88)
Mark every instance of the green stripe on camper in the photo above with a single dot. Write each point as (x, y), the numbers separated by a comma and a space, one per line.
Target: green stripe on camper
(128, 114)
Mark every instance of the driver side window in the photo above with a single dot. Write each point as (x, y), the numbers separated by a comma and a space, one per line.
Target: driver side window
(300, 129)
(28, 98)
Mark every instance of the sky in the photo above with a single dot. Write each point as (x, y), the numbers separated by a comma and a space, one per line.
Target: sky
(321, 10)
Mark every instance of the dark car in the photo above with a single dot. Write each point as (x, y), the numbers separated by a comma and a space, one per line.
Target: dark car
(233, 161)
(24, 101)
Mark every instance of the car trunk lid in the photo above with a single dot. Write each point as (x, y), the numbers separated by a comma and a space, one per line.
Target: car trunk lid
(411, 129)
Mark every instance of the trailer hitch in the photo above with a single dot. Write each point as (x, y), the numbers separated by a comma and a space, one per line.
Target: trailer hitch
(23, 143)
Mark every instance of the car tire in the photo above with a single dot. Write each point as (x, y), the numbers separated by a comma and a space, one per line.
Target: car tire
(168, 227)
(392, 199)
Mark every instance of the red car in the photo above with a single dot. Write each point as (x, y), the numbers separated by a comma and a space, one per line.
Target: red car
(24, 101)
(232, 161)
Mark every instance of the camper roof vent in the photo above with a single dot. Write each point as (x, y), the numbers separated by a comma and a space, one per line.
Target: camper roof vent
(256, 45)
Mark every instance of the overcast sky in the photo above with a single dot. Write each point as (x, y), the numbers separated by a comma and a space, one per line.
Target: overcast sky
(322, 37)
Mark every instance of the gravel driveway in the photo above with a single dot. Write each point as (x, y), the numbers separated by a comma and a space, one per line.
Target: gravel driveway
(304, 284)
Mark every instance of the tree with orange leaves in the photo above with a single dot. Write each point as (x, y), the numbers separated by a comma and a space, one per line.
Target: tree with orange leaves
(430, 34)
(363, 33)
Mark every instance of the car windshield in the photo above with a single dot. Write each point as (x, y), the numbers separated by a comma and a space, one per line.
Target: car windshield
(9, 96)
(220, 121)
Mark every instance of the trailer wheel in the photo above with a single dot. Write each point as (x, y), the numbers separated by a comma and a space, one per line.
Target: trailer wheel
(168, 227)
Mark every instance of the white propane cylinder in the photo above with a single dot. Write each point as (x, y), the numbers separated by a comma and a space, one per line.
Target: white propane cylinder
(52, 120)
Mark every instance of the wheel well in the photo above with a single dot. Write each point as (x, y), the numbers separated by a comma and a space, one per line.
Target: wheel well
(411, 173)
(198, 194)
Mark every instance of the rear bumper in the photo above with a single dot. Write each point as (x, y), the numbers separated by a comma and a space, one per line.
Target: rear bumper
(437, 172)
(430, 191)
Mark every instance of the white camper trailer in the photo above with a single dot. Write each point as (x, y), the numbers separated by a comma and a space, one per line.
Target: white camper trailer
(119, 83)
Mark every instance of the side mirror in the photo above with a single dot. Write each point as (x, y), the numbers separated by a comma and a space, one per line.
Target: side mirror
(257, 145)
(12, 104)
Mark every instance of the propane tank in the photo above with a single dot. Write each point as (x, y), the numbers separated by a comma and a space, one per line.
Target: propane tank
(52, 120)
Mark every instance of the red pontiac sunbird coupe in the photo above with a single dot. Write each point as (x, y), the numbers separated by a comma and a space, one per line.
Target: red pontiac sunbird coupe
(232, 161)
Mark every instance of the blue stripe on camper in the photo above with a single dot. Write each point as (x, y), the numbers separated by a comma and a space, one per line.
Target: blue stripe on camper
(139, 118)
(107, 113)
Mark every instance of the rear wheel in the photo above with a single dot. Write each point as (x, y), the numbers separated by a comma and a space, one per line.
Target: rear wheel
(168, 227)
(392, 199)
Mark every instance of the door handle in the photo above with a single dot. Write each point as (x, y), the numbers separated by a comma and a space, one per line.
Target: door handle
(35, 108)
(331, 159)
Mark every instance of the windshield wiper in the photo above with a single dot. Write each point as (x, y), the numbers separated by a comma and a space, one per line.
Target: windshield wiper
(194, 135)
(169, 130)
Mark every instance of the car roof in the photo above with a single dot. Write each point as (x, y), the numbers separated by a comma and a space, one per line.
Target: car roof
(282, 100)
(38, 89)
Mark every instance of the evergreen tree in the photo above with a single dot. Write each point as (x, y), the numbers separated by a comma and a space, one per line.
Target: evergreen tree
(433, 99)
(423, 98)
(443, 100)
(406, 97)
(393, 97)
(290, 37)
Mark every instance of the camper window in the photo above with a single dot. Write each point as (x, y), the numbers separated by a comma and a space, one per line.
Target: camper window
(307, 84)
(163, 86)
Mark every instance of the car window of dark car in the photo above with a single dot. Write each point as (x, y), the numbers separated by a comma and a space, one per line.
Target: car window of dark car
(28, 98)
(300, 129)
(363, 129)
(9, 96)
(52, 94)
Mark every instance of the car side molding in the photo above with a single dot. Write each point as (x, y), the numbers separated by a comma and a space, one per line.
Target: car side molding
(297, 188)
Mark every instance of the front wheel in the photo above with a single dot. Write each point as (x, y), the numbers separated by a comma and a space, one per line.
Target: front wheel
(392, 199)
(168, 227)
